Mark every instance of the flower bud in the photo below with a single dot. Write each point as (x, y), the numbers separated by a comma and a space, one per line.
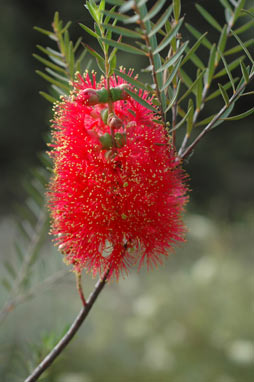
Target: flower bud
(114, 122)
(88, 97)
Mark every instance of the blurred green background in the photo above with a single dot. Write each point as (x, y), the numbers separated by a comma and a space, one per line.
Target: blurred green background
(190, 321)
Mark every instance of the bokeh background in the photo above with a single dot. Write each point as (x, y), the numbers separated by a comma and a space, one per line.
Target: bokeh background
(190, 321)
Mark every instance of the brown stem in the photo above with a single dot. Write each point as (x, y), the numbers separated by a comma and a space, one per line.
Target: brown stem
(80, 289)
(49, 359)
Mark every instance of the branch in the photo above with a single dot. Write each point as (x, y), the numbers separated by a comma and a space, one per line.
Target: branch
(57, 350)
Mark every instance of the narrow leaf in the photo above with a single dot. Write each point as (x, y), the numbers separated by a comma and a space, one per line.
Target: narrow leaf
(154, 10)
(231, 67)
(48, 97)
(190, 117)
(53, 81)
(238, 48)
(224, 115)
(49, 63)
(44, 31)
(115, 15)
(224, 94)
(244, 27)
(211, 66)
(125, 47)
(172, 74)
(131, 80)
(217, 92)
(123, 31)
(243, 46)
(88, 30)
(160, 23)
(174, 97)
(244, 72)
(208, 17)
(171, 61)
(197, 34)
(129, 4)
(228, 71)
(193, 48)
(240, 116)
(190, 89)
(141, 101)
(167, 39)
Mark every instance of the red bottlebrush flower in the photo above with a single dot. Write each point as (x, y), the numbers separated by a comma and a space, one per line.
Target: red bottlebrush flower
(113, 207)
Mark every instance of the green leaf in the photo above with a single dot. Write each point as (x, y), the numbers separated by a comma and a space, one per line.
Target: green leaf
(50, 52)
(237, 11)
(172, 74)
(180, 123)
(244, 72)
(53, 81)
(94, 12)
(224, 94)
(243, 46)
(190, 89)
(185, 78)
(238, 48)
(196, 60)
(88, 30)
(154, 10)
(199, 90)
(116, 2)
(177, 9)
(168, 38)
(222, 43)
(129, 4)
(211, 66)
(244, 27)
(174, 96)
(197, 35)
(131, 80)
(141, 101)
(231, 67)
(224, 115)
(48, 97)
(240, 116)
(228, 71)
(49, 63)
(205, 121)
(193, 48)
(208, 17)
(116, 15)
(78, 42)
(44, 31)
(217, 92)
(190, 117)
(68, 24)
(93, 52)
(125, 47)
(171, 61)
(160, 23)
(123, 31)
(226, 5)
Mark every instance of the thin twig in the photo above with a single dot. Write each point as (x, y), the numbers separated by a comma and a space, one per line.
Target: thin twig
(49, 359)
